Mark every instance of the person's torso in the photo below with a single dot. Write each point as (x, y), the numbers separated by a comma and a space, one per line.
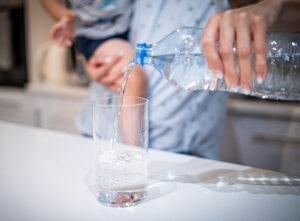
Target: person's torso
(180, 120)
(98, 19)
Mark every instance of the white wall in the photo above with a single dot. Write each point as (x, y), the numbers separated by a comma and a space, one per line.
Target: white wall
(38, 24)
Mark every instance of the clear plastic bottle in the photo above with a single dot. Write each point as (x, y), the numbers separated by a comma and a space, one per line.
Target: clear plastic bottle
(179, 58)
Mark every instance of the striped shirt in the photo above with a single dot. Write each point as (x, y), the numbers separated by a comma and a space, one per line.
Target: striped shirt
(98, 19)
(179, 121)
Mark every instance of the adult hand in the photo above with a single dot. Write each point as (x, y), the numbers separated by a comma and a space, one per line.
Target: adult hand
(62, 32)
(99, 69)
(244, 28)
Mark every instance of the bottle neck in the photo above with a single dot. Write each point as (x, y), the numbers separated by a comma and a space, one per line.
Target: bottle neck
(142, 53)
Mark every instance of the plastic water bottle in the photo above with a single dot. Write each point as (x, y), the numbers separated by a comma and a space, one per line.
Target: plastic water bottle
(179, 58)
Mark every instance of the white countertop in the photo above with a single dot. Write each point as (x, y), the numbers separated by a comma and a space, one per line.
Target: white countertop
(42, 177)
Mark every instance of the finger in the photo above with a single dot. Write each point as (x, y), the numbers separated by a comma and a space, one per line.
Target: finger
(98, 66)
(116, 72)
(57, 29)
(55, 34)
(227, 34)
(93, 61)
(68, 29)
(98, 61)
(91, 67)
(60, 41)
(72, 14)
(259, 37)
(102, 60)
(112, 77)
(209, 43)
(62, 28)
(244, 52)
(53, 31)
(115, 88)
(67, 42)
(105, 67)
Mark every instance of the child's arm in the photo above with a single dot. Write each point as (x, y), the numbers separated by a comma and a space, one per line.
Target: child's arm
(56, 9)
(130, 118)
(137, 83)
(62, 32)
(113, 77)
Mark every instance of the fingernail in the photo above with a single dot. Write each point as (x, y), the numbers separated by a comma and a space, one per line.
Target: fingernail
(234, 88)
(259, 79)
(219, 74)
(246, 90)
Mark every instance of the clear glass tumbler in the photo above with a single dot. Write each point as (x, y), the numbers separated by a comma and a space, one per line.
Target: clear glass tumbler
(120, 172)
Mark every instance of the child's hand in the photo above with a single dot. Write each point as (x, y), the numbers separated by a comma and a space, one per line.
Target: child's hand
(117, 73)
(98, 68)
(118, 54)
(62, 32)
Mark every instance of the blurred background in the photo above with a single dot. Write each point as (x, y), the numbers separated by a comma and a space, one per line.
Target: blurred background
(44, 86)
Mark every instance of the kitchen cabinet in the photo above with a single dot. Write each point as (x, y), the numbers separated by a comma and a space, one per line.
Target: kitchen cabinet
(15, 106)
(57, 114)
(42, 106)
(258, 134)
(263, 134)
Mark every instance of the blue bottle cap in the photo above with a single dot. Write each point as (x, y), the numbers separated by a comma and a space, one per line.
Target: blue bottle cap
(142, 53)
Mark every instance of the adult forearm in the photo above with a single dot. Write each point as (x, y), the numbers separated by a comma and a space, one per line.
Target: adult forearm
(241, 3)
(56, 9)
(289, 16)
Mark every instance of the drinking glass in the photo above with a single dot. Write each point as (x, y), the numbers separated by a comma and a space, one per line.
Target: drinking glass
(120, 132)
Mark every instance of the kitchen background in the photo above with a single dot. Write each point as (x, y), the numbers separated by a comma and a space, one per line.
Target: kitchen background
(40, 87)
